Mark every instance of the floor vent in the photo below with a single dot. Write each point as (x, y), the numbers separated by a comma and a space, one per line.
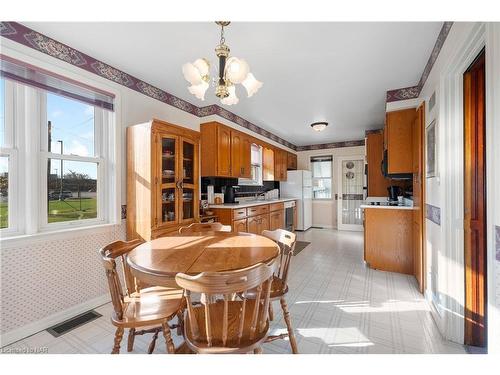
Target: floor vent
(70, 324)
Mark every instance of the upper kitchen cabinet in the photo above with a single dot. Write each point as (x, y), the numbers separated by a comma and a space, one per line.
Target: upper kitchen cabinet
(226, 152)
(162, 179)
(377, 183)
(291, 161)
(268, 163)
(280, 164)
(398, 141)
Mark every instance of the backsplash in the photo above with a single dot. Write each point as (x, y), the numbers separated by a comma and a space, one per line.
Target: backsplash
(244, 190)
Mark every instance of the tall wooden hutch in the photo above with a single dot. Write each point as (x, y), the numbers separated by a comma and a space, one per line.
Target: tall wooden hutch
(162, 179)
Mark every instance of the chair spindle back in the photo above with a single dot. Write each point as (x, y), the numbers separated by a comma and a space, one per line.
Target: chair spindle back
(286, 241)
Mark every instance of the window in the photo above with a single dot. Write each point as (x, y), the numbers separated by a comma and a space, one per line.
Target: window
(322, 177)
(7, 158)
(256, 167)
(72, 158)
(55, 177)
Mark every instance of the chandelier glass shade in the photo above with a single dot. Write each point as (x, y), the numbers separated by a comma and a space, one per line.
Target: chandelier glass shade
(232, 71)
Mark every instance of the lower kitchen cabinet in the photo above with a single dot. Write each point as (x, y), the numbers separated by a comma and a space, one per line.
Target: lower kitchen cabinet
(240, 225)
(257, 224)
(276, 220)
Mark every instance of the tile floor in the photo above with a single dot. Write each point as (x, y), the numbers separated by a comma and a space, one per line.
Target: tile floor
(337, 305)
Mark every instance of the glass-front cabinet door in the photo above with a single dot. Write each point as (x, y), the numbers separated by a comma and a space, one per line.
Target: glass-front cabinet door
(189, 176)
(168, 152)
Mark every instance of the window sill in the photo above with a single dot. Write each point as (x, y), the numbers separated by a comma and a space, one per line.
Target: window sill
(28, 239)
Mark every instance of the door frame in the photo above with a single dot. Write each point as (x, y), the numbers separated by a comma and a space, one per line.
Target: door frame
(338, 167)
(475, 257)
(449, 308)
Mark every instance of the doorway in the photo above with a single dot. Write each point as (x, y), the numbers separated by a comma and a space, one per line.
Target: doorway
(350, 192)
(475, 203)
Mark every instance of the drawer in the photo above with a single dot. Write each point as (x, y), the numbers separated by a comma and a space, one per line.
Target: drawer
(258, 210)
(239, 213)
(276, 206)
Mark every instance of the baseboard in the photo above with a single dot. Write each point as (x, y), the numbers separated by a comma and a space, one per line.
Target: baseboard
(32, 328)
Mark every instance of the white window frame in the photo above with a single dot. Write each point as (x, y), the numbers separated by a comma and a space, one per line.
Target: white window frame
(321, 178)
(28, 157)
(100, 116)
(10, 150)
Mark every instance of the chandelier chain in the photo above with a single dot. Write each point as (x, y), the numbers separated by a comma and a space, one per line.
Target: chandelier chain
(222, 38)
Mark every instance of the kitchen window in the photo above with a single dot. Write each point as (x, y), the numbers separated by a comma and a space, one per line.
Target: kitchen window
(321, 167)
(56, 157)
(255, 167)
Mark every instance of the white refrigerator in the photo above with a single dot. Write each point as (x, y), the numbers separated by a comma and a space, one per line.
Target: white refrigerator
(299, 185)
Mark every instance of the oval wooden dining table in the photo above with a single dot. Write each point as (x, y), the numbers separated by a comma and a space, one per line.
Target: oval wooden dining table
(156, 262)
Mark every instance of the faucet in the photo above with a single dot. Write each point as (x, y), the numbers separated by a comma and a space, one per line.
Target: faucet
(259, 195)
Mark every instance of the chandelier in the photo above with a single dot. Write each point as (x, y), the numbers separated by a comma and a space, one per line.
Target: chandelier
(232, 71)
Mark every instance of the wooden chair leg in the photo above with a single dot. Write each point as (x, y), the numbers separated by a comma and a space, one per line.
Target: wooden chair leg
(180, 323)
(131, 338)
(152, 344)
(168, 338)
(271, 313)
(118, 340)
(257, 350)
(291, 335)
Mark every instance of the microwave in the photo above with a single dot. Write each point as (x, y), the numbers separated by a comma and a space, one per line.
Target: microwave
(395, 176)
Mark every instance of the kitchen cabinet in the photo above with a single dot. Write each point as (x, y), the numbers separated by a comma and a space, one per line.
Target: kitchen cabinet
(257, 224)
(226, 151)
(268, 163)
(392, 251)
(377, 183)
(240, 155)
(291, 161)
(398, 140)
(253, 219)
(240, 225)
(277, 220)
(280, 164)
(162, 179)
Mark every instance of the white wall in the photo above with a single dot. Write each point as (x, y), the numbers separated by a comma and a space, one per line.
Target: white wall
(445, 242)
(325, 211)
(51, 277)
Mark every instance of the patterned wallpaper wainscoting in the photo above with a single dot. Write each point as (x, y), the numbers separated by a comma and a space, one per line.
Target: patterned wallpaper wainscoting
(433, 213)
(46, 277)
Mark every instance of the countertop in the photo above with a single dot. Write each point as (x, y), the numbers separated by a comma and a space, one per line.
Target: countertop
(388, 207)
(251, 203)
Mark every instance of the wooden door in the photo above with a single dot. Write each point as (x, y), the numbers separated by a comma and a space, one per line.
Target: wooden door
(166, 179)
(223, 151)
(399, 140)
(291, 161)
(275, 220)
(377, 183)
(236, 154)
(188, 180)
(246, 157)
(418, 129)
(263, 223)
(268, 163)
(475, 203)
(240, 225)
(253, 225)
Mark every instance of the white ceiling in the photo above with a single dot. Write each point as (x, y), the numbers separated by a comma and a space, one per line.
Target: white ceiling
(335, 71)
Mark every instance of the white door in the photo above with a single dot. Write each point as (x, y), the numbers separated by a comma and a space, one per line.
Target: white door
(350, 192)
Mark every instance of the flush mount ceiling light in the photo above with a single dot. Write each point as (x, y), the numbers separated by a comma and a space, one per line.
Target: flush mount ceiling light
(319, 126)
(232, 71)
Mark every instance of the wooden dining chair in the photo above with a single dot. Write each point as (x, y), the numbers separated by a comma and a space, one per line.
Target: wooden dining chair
(148, 308)
(205, 227)
(224, 324)
(279, 287)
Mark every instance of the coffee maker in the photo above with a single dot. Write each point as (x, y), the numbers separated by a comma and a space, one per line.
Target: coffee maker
(230, 193)
(394, 192)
